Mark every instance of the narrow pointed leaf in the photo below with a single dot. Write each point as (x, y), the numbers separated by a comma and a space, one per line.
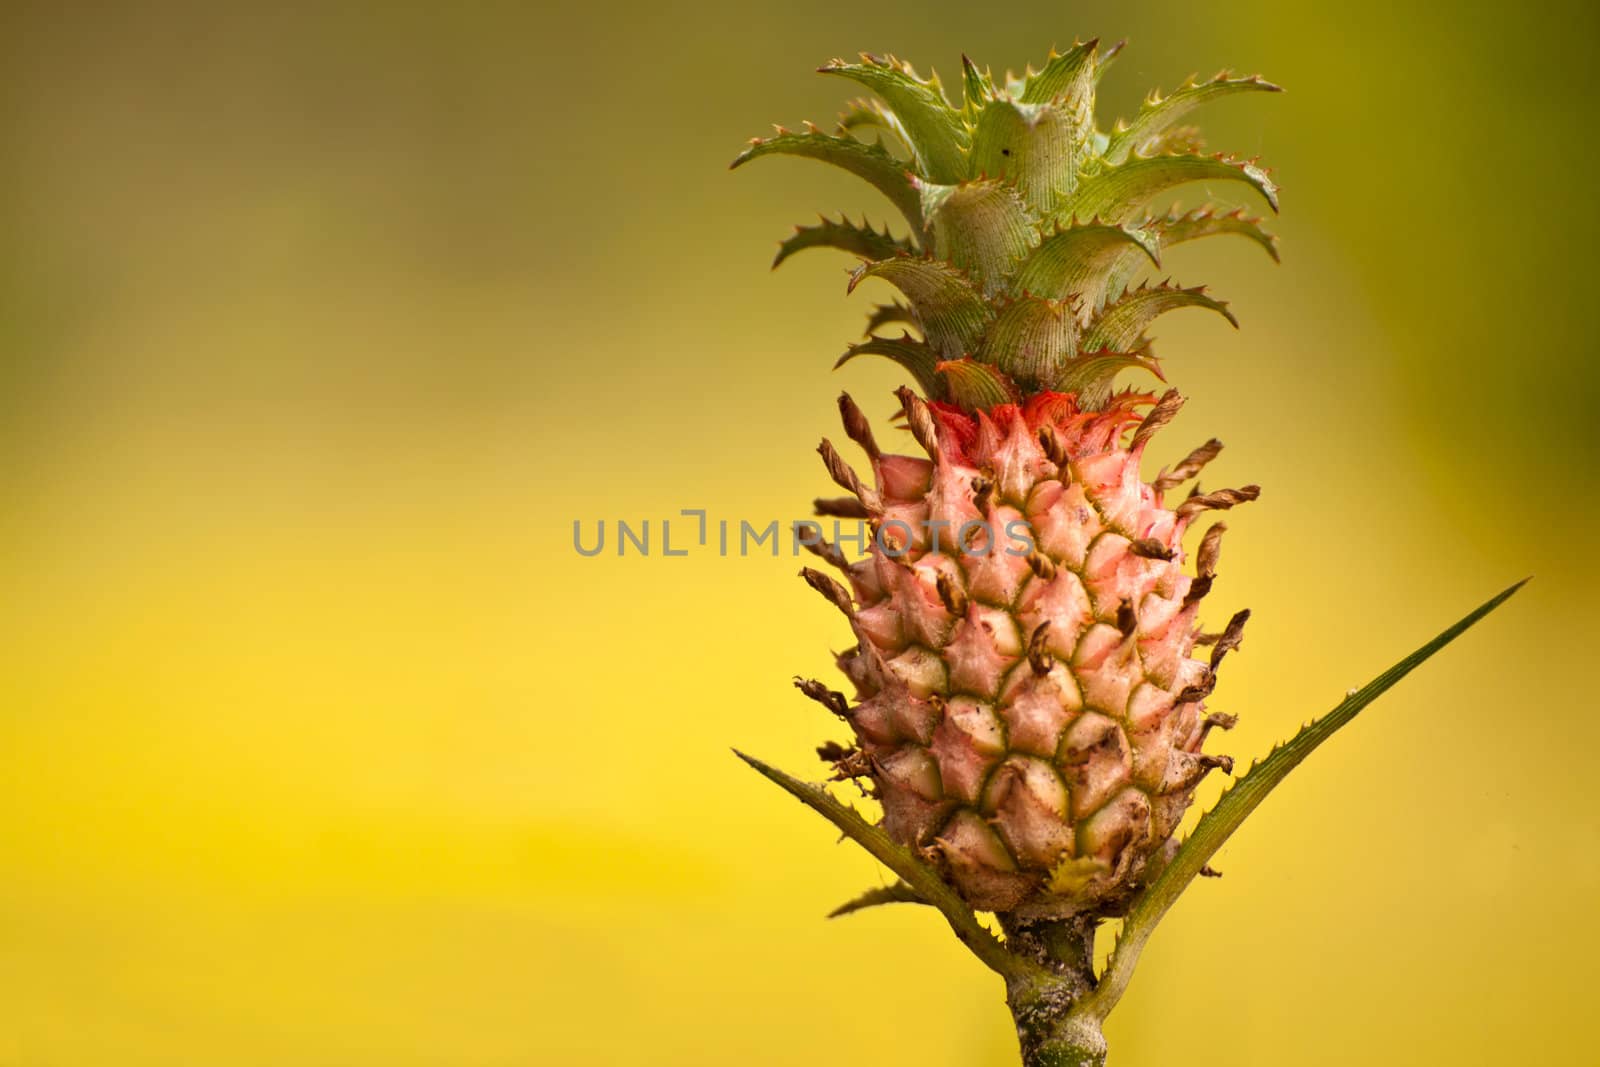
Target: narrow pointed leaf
(860, 240)
(1031, 340)
(983, 227)
(932, 127)
(869, 162)
(912, 354)
(1066, 86)
(977, 87)
(949, 308)
(1069, 74)
(1242, 798)
(1208, 221)
(1161, 113)
(1032, 146)
(898, 893)
(1177, 227)
(1090, 377)
(1074, 261)
(1179, 140)
(1117, 194)
(918, 875)
(865, 114)
(1120, 326)
(884, 314)
(1109, 56)
(977, 386)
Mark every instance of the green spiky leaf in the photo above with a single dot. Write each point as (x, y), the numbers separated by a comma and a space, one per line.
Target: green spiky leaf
(884, 314)
(1090, 376)
(918, 875)
(1075, 260)
(1069, 75)
(1104, 60)
(1032, 146)
(977, 88)
(932, 127)
(912, 354)
(1161, 113)
(1120, 326)
(1242, 798)
(949, 308)
(1177, 227)
(867, 114)
(898, 893)
(1208, 221)
(1178, 141)
(873, 163)
(1031, 340)
(983, 227)
(977, 386)
(1118, 194)
(859, 240)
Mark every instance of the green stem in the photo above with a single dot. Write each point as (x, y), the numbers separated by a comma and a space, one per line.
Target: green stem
(1085, 1049)
(1041, 1000)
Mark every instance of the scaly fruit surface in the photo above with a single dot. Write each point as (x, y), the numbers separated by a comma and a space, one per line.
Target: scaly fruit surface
(1029, 707)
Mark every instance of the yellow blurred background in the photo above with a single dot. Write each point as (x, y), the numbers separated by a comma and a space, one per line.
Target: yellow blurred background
(319, 744)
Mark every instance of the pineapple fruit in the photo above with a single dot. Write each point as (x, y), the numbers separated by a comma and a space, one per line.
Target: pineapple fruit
(1030, 672)
(1028, 707)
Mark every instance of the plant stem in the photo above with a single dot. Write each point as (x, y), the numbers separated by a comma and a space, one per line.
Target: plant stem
(1041, 1002)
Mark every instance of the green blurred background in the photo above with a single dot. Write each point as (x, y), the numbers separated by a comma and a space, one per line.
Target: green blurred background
(320, 324)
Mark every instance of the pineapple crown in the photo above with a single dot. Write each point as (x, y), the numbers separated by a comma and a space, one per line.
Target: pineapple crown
(1027, 224)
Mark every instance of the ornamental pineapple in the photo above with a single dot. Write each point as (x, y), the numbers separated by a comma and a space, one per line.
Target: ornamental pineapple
(1029, 707)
